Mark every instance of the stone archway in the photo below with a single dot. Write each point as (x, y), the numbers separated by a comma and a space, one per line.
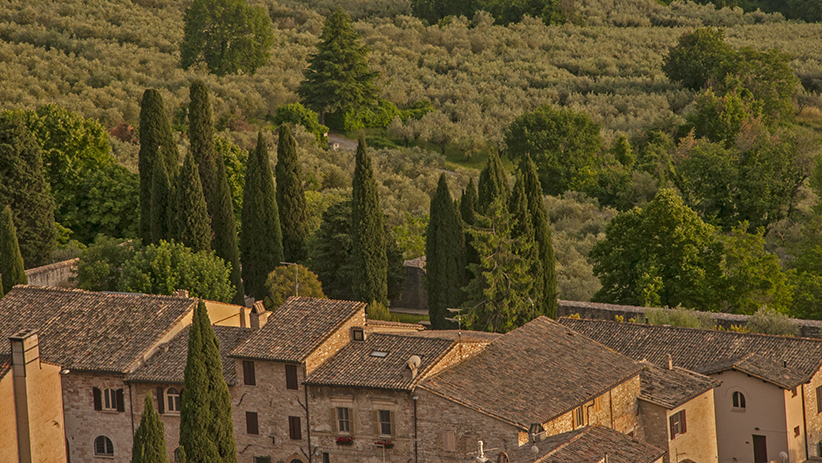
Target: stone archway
(296, 458)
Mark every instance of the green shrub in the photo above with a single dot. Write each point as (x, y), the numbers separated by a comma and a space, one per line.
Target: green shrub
(680, 317)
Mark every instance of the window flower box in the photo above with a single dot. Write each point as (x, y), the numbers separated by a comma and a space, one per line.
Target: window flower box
(345, 440)
(384, 444)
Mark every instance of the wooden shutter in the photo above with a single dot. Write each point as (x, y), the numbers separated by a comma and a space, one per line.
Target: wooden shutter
(251, 423)
(161, 401)
(249, 376)
(671, 423)
(334, 419)
(377, 430)
(121, 403)
(682, 427)
(291, 377)
(393, 425)
(819, 399)
(98, 398)
(294, 428)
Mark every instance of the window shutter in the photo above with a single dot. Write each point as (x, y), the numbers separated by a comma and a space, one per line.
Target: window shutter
(682, 422)
(334, 419)
(121, 404)
(251, 423)
(161, 401)
(98, 399)
(249, 376)
(291, 377)
(294, 428)
(671, 423)
(377, 429)
(393, 425)
(819, 399)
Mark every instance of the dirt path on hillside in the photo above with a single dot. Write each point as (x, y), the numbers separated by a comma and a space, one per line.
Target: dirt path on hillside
(345, 144)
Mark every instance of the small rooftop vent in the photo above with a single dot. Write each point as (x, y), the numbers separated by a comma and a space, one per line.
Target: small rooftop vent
(357, 334)
(412, 367)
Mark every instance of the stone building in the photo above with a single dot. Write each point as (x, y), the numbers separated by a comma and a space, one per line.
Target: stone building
(770, 399)
(590, 444)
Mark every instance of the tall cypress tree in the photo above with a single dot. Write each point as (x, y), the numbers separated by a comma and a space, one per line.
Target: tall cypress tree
(156, 142)
(291, 198)
(161, 213)
(11, 262)
(368, 233)
(445, 261)
(201, 136)
(468, 210)
(261, 247)
(523, 230)
(225, 232)
(220, 426)
(149, 439)
(492, 184)
(542, 237)
(192, 217)
(196, 409)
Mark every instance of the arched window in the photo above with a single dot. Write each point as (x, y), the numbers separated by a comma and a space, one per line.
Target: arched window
(103, 446)
(173, 400)
(738, 401)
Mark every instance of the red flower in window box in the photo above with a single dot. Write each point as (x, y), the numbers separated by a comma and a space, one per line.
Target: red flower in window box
(384, 444)
(345, 440)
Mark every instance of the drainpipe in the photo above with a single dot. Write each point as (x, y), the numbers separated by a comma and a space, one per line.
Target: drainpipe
(415, 429)
(131, 406)
(307, 421)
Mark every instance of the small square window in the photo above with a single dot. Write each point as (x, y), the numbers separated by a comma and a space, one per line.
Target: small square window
(357, 334)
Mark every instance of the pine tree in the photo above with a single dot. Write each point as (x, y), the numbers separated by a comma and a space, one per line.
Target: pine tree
(523, 230)
(225, 233)
(492, 184)
(149, 439)
(220, 426)
(338, 78)
(261, 247)
(11, 262)
(192, 218)
(445, 261)
(291, 198)
(368, 233)
(196, 412)
(161, 213)
(156, 142)
(468, 210)
(23, 187)
(542, 238)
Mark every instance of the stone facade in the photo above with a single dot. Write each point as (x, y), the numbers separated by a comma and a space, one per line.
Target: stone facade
(169, 418)
(698, 443)
(336, 341)
(58, 274)
(812, 393)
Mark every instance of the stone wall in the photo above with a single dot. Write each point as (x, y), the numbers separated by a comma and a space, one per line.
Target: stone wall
(335, 341)
(813, 414)
(599, 311)
(54, 275)
(170, 419)
(414, 295)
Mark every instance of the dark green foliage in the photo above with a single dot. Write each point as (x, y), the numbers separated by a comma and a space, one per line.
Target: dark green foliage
(544, 272)
(367, 233)
(156, 143)
(228, 36)
(193, 228)
(434, 10)
(468, 210)
(445, 257)
(261, 247)
(11, 262)
(162, 218)
(225, 233)
(201, 136)
(291, 198)
(700, 59)
(149, 438)
(280, 285)
(197, 400)
(661, 255)
(331, 252)
(553, 12)
(562, 142)
(100, 266)
(497, 299)
(180, 454)
(24, 188)
(338, 78)
(522, 230)
(166, 267)
(297, 114)
(623, 152)
(492, 185)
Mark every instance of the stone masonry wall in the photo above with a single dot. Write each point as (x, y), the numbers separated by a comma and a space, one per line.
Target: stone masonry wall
(334, 343)
(55, 275)
(813, 414)
(84, 424)
(170, 419)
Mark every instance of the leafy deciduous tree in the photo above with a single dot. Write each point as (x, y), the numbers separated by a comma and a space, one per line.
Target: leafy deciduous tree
(101, 265)
(280, 285)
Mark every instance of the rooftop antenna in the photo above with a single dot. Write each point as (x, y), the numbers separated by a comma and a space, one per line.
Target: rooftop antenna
(296, 281)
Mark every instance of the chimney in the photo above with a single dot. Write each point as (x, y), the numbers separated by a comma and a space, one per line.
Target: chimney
(412, 367)
(670, 361)
(25, 356)
(180, 293)
(259, 316)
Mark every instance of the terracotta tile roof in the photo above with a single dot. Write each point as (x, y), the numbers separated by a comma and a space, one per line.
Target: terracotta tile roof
(296, 328)
(84, 330)
(455, 335)
(355, 365)
(5, 364)
(672, 388)
(588, 445)
(533, 374)
(168, 364)
(783, 361)
(382, 325)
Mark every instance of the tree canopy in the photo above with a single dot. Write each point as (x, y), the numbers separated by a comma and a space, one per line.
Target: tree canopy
(280, 283)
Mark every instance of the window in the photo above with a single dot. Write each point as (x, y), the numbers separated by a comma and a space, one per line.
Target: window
(291, 377)
(343, 420)
(677, 422)
(449, 441)
(819, 399)
(173, 400)
(385, 422)
(738, 401)
(108, 399)
(249, 378)
(260, 459)
(251, 423)
(326, 457)
(295, 431)
(796, 431)
(103, 446)
(579, 417)
(357, 334)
